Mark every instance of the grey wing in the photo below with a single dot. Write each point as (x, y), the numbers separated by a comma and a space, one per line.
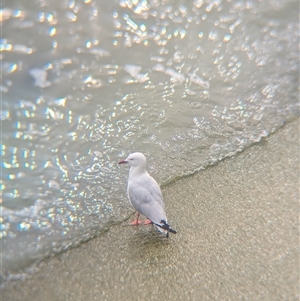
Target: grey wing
(145, 203)
(155, 191)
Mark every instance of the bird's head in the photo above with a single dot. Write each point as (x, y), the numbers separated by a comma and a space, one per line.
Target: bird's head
(135, 159)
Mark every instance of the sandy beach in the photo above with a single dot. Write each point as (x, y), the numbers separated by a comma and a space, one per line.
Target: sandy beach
(237, 239)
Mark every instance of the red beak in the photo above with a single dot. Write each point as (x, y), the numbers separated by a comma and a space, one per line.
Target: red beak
(122, 162)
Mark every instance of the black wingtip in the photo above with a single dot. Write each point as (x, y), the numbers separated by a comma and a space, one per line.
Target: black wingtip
(172, 231)
(167, 227)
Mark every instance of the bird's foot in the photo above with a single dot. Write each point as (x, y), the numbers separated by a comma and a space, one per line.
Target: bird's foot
(147, 222)
(136, 222)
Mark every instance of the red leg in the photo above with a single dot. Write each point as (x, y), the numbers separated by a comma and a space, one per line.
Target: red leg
(136, 222)
(147, 222)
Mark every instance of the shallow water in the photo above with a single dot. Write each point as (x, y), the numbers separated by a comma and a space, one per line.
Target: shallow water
(86, 82)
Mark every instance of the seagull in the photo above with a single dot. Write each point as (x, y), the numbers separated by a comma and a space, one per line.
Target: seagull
(145, 195)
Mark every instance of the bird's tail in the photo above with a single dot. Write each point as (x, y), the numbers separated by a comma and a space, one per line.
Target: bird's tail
(164, 226)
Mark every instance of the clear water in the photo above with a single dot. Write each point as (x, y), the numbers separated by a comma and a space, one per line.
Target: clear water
(84, 83)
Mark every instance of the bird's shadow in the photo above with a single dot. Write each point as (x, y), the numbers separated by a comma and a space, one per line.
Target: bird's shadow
(146, 242)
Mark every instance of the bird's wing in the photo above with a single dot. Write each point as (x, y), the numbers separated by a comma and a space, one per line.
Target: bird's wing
(147, 203)
(155, 191)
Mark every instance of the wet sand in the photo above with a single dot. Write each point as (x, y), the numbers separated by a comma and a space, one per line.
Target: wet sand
(237, 239)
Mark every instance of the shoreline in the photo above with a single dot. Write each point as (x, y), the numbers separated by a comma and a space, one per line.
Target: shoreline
(237, 225)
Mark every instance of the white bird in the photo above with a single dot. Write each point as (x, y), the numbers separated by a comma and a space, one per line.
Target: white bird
(145, 195)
